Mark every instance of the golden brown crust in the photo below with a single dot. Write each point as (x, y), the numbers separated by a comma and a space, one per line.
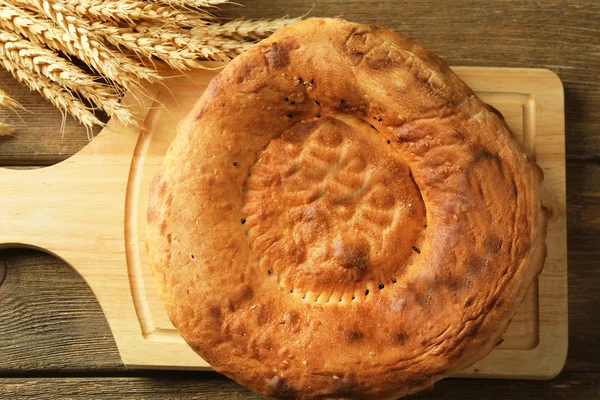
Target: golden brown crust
(340, 217)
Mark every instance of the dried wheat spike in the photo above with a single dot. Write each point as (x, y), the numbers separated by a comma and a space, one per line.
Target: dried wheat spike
(88, 47)
(53, 92)
(171, 44)
(41, 31)
(28, 55)
(245, 29)
(179, 39)
(231, 47)
(8, 102)
(228, 46)
(130, 11)
(192, 3)
(30, 26)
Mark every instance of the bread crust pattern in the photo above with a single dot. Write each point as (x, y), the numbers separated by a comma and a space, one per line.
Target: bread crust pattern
(341, 217)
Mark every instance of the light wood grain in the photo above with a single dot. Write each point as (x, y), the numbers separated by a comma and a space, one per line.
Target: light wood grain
(81, 207)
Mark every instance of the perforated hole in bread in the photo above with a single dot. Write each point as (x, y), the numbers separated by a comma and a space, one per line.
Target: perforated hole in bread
(329, 210)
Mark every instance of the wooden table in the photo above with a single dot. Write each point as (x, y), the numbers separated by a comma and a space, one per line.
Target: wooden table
(54, 340)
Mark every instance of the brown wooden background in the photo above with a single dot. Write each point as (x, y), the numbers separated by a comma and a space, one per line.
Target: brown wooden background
(54, 341)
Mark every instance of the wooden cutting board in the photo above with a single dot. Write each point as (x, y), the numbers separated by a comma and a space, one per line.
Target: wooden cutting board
(90, 211)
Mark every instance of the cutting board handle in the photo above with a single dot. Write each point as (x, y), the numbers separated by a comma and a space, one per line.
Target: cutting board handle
(71, 208)
(27, 203)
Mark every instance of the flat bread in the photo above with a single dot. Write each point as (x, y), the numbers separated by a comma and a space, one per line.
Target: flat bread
(341, 217)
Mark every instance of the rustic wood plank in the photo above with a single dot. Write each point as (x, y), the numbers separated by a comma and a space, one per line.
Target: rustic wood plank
(550, 34)
(49, 317)
(583, 238)
(37, 138)
(185, 385)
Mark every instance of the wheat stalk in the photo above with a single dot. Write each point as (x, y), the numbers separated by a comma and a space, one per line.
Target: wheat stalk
(77, 39)
(192, 3)
(35, 29)
(108, 36)
(40, 31)
(8, 102)
(162, 47)
(242, 29)
(27, 55)
(53, 92)
(177, 47)
(177, 40)
(230, 47)
(130, 11)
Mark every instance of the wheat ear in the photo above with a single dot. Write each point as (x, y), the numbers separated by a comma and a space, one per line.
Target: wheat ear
(164, 46)
(35, 29)
(77, 38)
(228, 46)
(173, 45)
(53, 92)
(231, 47)
(192, 3)
(130, 11)
(27, 55)
(242, 29)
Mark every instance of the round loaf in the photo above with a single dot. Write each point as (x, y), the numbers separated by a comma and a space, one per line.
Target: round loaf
(341, 217)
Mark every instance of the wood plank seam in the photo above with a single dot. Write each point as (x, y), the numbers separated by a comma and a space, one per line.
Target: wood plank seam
(4, 267)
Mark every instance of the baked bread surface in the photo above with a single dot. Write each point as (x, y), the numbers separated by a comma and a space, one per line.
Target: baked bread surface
(341, 217)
